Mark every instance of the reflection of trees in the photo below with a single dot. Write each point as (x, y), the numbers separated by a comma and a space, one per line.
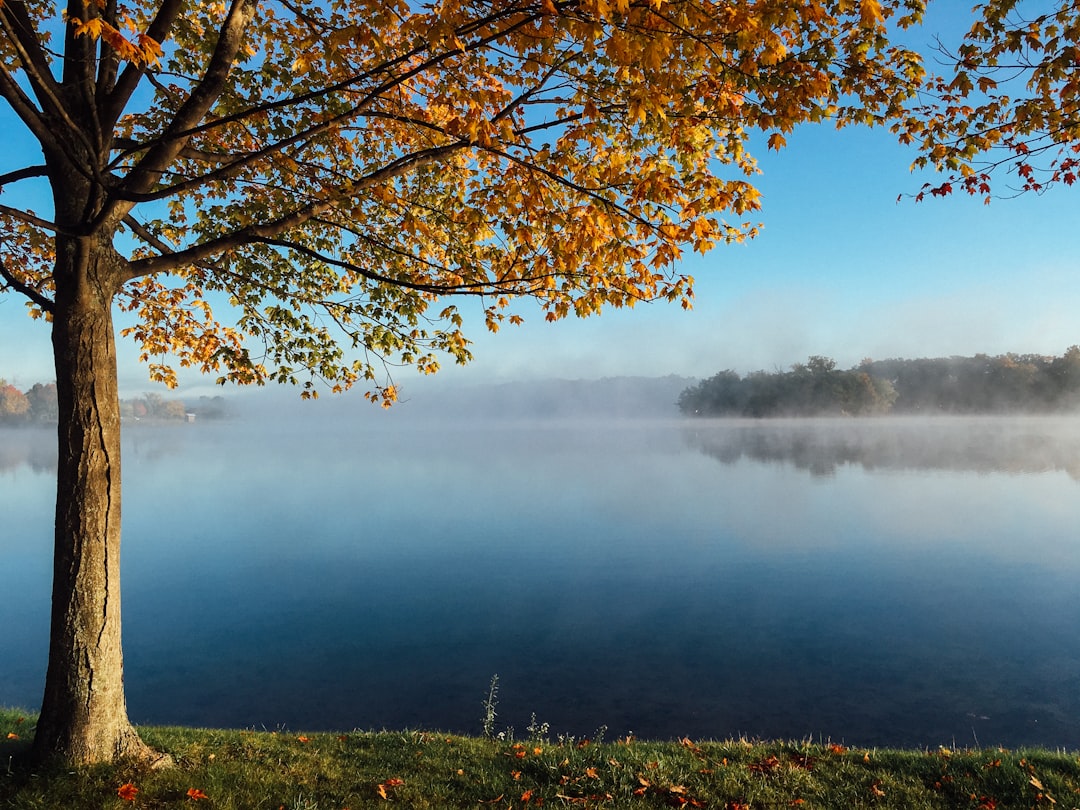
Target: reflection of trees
(32, 447)
(35, 447)
(820, 446)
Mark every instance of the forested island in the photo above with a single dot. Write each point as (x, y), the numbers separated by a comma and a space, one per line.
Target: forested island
(1008, 383)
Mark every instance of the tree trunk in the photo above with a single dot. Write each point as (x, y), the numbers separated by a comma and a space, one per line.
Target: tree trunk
(84, 714)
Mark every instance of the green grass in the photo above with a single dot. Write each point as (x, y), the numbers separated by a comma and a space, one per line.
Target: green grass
(413, 769)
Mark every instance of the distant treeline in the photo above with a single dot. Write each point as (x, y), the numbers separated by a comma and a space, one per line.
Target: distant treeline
(38, 405)
(964, 385)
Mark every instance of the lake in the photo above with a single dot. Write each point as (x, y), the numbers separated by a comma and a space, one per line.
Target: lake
(873, 582)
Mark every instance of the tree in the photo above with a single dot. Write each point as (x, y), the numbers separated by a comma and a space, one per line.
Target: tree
(332, 173)
(42, 399)
(1010, 102)
(14, 406)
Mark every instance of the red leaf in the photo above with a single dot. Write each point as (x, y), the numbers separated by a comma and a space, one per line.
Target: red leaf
(195, 794)
(127, 792)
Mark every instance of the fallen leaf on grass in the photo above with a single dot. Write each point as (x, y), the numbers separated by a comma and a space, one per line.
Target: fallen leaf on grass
(391, 783)
(127, 792)
(767, 765)
(195, 794)
(12, 735)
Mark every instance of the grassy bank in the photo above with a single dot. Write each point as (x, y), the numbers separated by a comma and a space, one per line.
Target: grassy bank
(297, 771)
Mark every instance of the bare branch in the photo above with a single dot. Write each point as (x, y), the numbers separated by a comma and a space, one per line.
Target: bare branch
(23, 174)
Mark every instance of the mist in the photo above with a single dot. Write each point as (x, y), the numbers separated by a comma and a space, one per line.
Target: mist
(332, 565)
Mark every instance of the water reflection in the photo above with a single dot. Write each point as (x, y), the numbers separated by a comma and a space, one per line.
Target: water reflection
(324, 577)
(963, 444)
(33, 447)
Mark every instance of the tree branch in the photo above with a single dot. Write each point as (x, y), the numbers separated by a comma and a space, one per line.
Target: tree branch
(21, 287)
(271, 230)
(23, 174)
(19, 28)
(28, 218)
(147, 171)
(113, 105)
(136, 189)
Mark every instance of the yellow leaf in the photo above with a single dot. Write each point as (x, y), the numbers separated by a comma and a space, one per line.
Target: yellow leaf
(870, 13)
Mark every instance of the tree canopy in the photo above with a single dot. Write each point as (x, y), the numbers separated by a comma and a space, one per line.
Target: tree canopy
(329, 167)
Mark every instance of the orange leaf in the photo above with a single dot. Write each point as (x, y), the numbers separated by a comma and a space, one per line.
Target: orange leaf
(127, 792)
(303, 739)
(195, 794)
(12, 735)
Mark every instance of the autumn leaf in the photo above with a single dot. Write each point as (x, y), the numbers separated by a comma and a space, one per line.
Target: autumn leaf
(127, 792)
(12, 735)
(195, 794)
(870, 15)
(766, 765)
(303, 739)
(383, 787)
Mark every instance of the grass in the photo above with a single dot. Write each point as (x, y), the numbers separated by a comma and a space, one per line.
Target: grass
(414, 769)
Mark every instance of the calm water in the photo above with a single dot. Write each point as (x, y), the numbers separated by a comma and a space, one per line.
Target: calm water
(875, 582)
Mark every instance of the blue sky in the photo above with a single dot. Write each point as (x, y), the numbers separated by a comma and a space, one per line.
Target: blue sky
(840, 269)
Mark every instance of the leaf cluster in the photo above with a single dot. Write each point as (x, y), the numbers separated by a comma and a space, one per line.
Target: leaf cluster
(1007, 102)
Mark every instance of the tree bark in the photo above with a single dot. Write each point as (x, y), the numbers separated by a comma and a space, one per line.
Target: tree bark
(84, 713)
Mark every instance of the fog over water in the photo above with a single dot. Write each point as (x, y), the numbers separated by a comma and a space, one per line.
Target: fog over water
(878, 581)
